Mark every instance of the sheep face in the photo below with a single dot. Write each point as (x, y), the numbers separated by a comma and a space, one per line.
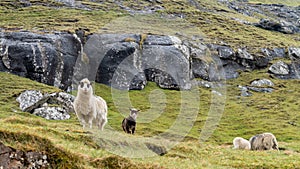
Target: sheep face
(134, 113)
(85, 86)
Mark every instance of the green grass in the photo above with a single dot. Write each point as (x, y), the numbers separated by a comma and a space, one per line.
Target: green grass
(286, 2)
(213, 21)
(69, 146)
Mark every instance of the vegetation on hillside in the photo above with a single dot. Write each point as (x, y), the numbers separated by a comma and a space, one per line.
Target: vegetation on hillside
(69, 146)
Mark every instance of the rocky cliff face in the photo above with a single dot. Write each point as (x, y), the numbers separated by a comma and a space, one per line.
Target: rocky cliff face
(128, 61)
(47, 58)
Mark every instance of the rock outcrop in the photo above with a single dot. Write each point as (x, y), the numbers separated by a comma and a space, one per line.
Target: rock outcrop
(259, 85)
(11, 158)
(129, 61)
(35, 102)
(46, 58)
(286, 18)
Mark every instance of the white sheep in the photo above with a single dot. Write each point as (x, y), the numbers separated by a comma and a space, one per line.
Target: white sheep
(91, 110)
(241, 143)
(264, 141)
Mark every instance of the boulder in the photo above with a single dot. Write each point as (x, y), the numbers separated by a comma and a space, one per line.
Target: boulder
(206, 65)
(38, 104)
(166, 60)
(226, 52)
(158, 149)
(31, 99)
(52, 113)
(128, 61)
(63, 99)
(13, 159)
(46, 58)
(232, 69)
(294, 52)
(273, 53)
(262, 82)
(279, 68)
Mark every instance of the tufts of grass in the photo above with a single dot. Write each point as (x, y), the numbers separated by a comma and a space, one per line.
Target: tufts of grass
(287, 2)
(69, 146)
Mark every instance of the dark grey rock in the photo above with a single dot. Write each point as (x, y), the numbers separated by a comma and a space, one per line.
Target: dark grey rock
(226, 52)
(165, 60)
(11, 158)
(243, 54)
(46, 58)
(232, 69)
(279, 68)
(283, 26)
(284, 18)
(260, 62)
(205, 65)
(273, 53)
(67, 2)
(160, 150)
(127, 62)
(201, 62)
(294, 52)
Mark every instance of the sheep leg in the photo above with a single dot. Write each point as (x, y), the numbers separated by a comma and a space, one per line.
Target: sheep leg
(128, 130)
(103, 122)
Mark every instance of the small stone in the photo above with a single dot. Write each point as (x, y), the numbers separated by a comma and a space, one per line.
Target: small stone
(262, 82)
(279, 68)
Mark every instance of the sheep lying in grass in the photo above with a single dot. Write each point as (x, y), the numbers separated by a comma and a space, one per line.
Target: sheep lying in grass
(241, 143)
(264, 141)
(91, 110)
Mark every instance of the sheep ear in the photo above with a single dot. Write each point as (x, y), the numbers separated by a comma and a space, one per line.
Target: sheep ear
(92, 83)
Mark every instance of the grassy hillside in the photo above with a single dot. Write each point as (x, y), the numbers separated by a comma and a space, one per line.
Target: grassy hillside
(211, 19)
(68, 146)
(287, 2)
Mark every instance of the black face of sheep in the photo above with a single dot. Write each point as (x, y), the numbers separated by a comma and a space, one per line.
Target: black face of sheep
(129, 123)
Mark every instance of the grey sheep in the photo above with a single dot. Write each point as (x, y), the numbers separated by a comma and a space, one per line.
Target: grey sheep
(264, 141)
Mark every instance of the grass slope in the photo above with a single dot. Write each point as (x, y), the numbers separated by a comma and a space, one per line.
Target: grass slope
(68, 146)
(211, 19)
